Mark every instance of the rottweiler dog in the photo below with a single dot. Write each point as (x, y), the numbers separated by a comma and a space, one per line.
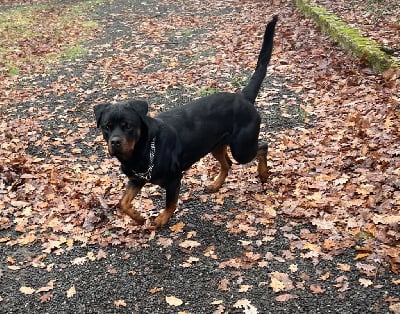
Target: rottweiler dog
(158, 149)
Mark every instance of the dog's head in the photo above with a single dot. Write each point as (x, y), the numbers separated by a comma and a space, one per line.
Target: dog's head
(122, 125)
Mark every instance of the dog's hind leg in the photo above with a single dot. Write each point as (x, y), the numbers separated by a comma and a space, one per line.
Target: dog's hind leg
(132, 190)
(221, 155)
(172, 191)
(262, 161)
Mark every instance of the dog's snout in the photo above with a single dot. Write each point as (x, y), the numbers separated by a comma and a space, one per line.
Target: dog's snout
(115, 142)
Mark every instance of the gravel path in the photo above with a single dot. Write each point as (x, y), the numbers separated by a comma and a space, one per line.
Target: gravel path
(200, 264)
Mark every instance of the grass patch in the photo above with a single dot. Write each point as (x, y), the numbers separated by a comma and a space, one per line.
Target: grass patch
(73, 53)
(239, 81)
(207, 91)
(34, 37)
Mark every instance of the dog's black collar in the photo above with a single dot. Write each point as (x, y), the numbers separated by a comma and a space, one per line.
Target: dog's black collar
(146, 176)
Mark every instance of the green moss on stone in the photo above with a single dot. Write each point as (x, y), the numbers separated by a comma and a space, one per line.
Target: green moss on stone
(349, 38)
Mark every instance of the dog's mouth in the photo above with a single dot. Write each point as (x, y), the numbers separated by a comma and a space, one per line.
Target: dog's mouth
(121, 148)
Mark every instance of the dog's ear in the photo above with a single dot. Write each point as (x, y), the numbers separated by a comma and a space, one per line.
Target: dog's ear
(140, 106)
(98, 112)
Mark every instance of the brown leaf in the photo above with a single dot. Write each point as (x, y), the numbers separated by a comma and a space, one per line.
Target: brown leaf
(177, 227)
(46, 297)
(48, 287)
(189, 244)
(285, 297)
(223, 285)
(316, 289)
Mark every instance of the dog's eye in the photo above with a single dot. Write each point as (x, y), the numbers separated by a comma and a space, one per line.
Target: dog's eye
(126, 126)
(107, 127)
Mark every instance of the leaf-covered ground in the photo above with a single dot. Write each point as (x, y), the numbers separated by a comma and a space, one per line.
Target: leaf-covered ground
(322, 235)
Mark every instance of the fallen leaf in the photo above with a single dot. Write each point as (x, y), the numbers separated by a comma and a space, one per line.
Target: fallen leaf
(79, 260)
(365, 282)
(132, 272)
(293, 268)
(395, 308)
(164, 242)
(316, 289)
(248, 308)
(177, 227)
(173, 301)
(101, 254)
(48, 287)
(119, 303)
(46, 297)
(285, 297)
(189, 244)
(223, 285)
(277, 285)
(71, 292)
(244, 288)
(344, 267)
(155, 290)
(27, 290)
(324, 276)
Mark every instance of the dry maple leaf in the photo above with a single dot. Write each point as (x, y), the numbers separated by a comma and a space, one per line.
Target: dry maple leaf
(173, 301)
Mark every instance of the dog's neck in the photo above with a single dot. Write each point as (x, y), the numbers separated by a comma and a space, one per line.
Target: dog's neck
(146, 174)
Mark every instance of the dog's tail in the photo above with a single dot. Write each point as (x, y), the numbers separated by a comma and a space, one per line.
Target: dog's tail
(250, 91)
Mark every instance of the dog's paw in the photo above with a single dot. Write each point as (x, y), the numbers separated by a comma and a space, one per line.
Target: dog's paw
(264, 176)
(162, 219)
(139, 219)
(212, 188)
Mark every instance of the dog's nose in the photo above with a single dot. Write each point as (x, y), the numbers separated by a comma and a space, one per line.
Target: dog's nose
(116, 142)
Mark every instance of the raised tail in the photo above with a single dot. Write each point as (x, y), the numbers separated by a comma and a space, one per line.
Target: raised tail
(250, 91)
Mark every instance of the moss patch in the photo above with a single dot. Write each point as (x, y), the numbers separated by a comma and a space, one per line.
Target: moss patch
(35, 36)
(349, 38)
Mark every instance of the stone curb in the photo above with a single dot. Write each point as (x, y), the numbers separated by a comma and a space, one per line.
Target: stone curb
(349, 38)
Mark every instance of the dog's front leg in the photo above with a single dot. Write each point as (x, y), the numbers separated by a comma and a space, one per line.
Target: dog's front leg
(172, 190)
(132, 190)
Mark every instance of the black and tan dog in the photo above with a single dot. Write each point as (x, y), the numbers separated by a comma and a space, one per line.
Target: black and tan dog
(159, 149)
